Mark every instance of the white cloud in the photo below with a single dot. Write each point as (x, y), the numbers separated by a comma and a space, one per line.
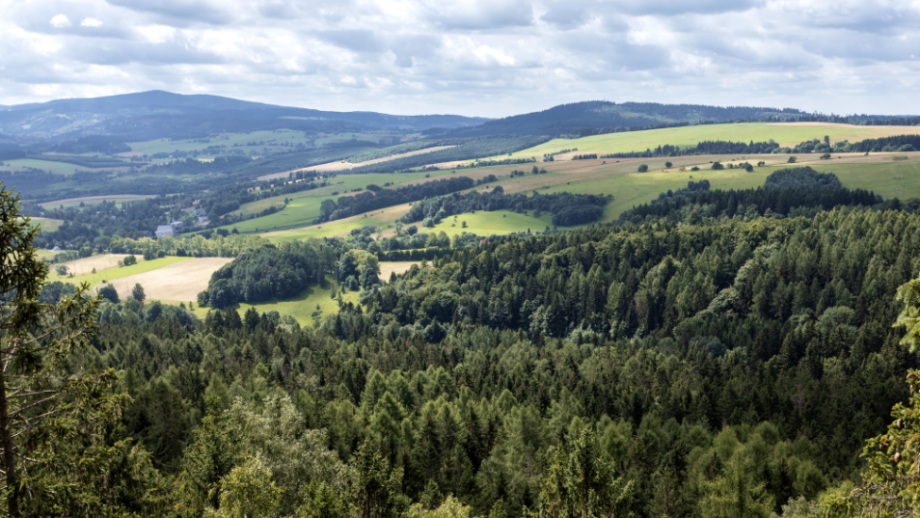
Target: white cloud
(60, 21)
(474, 57)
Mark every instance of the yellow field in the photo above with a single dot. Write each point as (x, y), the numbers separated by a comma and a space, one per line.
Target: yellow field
(398, 268)
(179, 281)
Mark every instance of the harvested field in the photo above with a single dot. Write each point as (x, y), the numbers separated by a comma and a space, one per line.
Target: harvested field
(102, 262)
(180, 281)
(343, 165)
(398, 268)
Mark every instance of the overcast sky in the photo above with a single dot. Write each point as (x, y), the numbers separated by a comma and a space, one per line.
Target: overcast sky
(470, 57)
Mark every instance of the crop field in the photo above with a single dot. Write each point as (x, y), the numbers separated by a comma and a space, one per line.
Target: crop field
(397, 267)
(119, 199)
(785, 134)
(116, 273)
(85, 266)
(181, 281)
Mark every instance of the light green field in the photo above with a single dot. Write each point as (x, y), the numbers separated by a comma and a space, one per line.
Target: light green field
(92, 200)
(116, 273)
(54, 167)
(304, 206)
(888, 179)
(320, 231)
(47, 224)
(302, 307)
(48, 255)
(272, 139)
(686, 136)
(500, 222)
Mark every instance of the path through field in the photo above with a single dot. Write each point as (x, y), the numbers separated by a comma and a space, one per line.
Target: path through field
(179, 281)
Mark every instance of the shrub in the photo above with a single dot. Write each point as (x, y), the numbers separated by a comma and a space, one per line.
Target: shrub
(643, 168)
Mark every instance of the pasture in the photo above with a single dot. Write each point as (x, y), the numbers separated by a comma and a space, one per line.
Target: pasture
(54, 167)
(304, 306)
(180, 281)
(484, 223)
(786, 134)
(118, 199)
(256, 141)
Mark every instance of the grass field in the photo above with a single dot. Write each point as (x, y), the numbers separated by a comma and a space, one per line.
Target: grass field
(303, 306)
(483, 223)
(47, 223)
(119, 199)
(180, 281)
(784, 134)
(116, 273)
(303, 207)
(281, 138)
(47, 165)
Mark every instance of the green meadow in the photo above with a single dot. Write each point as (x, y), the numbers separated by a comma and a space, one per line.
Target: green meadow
(484, 223)
(686, 136)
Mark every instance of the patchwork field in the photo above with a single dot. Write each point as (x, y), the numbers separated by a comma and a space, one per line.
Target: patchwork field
(343, 165)
(54, 167)
(786, 134)
(47, 223)
(181, 281)
(246, 142)
(100, 263)
(115, 273)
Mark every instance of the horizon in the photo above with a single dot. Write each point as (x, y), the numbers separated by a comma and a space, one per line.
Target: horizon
(484, 59)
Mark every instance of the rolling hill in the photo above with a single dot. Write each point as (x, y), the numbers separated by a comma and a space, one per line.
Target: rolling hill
(155, 114)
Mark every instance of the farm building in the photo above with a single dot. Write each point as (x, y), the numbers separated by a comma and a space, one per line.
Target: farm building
(165, 230)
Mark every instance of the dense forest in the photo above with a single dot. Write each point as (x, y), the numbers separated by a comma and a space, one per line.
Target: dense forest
(731, 363)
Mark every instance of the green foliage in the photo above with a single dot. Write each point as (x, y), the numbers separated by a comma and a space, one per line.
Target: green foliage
(247, 492)
(643, 168)
(138, 293)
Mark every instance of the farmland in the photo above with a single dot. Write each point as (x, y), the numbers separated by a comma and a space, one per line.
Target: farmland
(686, 136)
(116, 273)
(483, 223)
(118, 199)
(179, 281)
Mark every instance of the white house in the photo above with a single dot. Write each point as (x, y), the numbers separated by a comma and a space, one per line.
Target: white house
(165, 230)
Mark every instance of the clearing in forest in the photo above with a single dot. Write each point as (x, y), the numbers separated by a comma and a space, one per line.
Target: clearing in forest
(180, 281)
(398, 268)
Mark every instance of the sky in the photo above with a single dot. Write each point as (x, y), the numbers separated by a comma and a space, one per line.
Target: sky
(488, 58)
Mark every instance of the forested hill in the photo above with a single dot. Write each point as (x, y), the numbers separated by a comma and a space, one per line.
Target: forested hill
(156, 114)
(585, 118)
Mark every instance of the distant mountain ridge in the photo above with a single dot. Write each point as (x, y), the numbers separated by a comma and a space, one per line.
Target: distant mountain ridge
(157, 114)
(585, 117)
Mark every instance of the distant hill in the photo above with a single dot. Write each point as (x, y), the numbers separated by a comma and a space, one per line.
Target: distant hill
(157, 114)
(585, 118)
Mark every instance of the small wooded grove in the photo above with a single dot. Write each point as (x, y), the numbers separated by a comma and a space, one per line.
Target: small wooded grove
(567, 209)
(731, 365)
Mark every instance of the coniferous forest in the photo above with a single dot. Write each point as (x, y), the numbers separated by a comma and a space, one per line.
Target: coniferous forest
(714, 354)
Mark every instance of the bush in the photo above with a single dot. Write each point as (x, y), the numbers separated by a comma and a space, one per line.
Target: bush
(668, 164)
(717, 166)
(791, 160)
(109, 293)
(128, 261)
(643, 168)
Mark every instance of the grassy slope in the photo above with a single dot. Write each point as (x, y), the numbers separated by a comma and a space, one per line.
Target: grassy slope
(304, 206)
(691, 135)
(242, 139)
(484, 223)
(301, 307)
(54, 167)
(116, 273)
(119, 200)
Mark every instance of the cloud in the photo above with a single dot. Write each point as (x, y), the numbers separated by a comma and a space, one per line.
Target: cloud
(475, 57)
(59, 21)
